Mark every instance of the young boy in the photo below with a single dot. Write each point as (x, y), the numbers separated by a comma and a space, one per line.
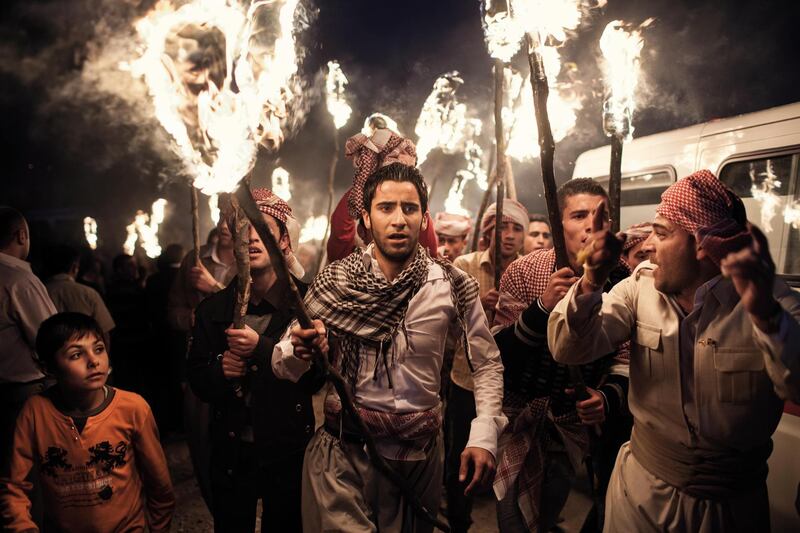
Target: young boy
(96, 448)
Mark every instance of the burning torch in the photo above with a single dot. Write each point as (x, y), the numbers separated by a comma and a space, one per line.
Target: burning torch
(621, 49)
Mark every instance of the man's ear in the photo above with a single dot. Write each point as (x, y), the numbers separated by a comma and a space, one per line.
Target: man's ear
(424, 222)
(365, 218)
(285, 244)
(22, 236)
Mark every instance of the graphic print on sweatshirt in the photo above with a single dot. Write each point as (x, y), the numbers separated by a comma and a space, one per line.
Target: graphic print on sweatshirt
(88, 484)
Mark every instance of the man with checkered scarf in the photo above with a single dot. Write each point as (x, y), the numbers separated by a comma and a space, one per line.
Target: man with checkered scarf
(548, 432)
(389, 310)
(715, 351)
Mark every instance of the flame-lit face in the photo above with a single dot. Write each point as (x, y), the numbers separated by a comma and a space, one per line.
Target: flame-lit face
(451, 247)
(82, 364)
(636, 255)
(538, 237)
(673, 250)
(395, 219)
(512, 236)
(259, 258)
(577, 220)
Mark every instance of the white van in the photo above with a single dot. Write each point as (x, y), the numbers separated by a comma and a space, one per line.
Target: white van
(757, 155)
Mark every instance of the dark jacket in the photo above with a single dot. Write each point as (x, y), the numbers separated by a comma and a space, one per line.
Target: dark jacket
(281, 411)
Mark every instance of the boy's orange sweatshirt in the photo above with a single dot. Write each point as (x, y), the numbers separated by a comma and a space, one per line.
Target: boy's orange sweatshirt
(102, 479)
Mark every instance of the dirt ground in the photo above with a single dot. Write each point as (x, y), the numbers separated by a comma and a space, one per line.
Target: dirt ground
(191, 515)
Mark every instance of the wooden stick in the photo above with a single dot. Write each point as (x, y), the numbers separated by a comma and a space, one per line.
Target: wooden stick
(241, 240)
(615, 182)
(295, 302)
(195, 225)
(476, 232)
(500, 167)
(547, 147)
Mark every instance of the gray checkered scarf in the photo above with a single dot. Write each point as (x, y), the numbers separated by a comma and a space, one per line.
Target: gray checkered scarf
(364, 310)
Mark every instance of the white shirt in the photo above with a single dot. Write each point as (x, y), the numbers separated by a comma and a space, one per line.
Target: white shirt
(416, 371)
(24, 305)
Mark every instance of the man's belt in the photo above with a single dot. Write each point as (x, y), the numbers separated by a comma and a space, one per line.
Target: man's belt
(706, 474)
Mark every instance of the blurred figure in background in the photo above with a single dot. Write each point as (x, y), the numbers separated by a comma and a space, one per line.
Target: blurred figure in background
(452, 232)
(192, 284)
(539, 234)
(633, 251)
(131, 336)
(62, 263)
(166, 395)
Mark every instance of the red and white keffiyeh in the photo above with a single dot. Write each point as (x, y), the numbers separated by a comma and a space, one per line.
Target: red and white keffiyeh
(367, 158)
(636, 234)
(271, 204)
(703, 206)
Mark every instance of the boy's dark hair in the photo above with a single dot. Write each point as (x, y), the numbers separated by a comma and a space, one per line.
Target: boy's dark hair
(60, 259)
(61, 328)
(577, 186)
(396, 172)
(11, 221)
(536, 217)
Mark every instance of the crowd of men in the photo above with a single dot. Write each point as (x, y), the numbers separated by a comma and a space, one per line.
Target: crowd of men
(657, 360)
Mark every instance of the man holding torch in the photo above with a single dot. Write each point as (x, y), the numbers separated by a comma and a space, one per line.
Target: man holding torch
(389, 310)
(547, 433)
(258, 438)
(452, 232)
(715, 343)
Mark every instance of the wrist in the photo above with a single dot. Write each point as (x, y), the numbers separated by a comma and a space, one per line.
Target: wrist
(769, 321)
(542, 306)
(591, 286)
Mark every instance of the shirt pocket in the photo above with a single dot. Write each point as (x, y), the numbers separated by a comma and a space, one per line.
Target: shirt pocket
(739, 372)
(651, 361)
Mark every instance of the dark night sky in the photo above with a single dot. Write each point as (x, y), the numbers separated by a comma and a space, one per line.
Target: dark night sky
(71, 147)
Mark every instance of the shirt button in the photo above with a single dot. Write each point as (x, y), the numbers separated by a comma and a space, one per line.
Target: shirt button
(298, 407)
(231, 434)
(229, 472)
(308, 429)
(254, 368)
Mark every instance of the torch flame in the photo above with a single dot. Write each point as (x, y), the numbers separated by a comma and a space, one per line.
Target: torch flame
(314, 229)
(213, 207)
(280, 184)
(216, 123)
(442, 119)
(335, 85)
(90, 231)
(502, 33)
(454, 203)
(144, 230)
(621, 49)
(519, 117)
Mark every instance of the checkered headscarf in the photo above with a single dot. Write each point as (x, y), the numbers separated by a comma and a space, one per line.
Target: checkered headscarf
(704, 207)
(270, 203)
(636, 234)
(367, 158)
(364, 310)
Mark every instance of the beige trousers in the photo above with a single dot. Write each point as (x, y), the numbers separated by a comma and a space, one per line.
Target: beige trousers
(639, 501)
(343, 492)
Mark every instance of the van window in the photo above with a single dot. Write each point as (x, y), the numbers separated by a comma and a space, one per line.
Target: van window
(770, 174)
(769, 188)
(644, 188)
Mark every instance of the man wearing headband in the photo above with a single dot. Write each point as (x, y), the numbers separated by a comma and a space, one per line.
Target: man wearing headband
(382, 147)
(452, 232)
(633, 251)
(389, 311)
(460, 396)
(261, 424)
(548, 438)
(715, 352)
